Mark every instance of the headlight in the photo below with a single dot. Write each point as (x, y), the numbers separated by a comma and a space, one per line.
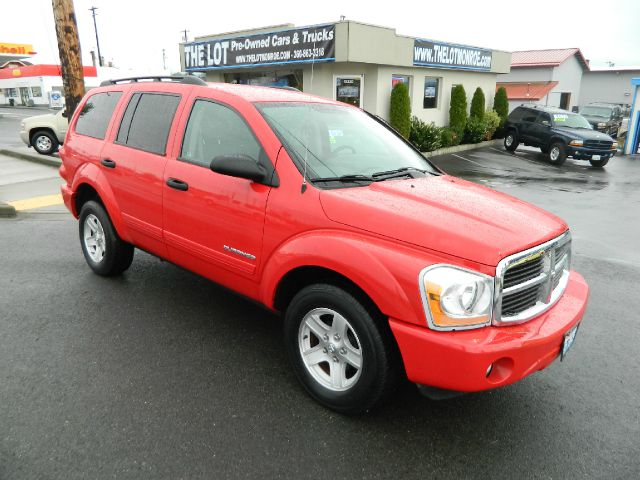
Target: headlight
(22, 125)
(614, 146)
(602, 125)
(455, 298)
(576, 143)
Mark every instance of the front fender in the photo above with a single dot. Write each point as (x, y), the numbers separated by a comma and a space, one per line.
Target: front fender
(91, 175)
(388, 272)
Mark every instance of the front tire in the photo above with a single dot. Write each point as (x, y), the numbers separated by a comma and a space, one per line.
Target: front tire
(511, 141)
(45, 143)
(104, 251)
(342, 357)
(557, 154)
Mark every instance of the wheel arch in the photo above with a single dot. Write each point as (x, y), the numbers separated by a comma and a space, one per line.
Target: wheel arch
(89, 184)
(35, 130)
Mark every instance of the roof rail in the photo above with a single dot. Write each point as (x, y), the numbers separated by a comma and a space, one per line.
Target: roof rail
(284, 87)
(188, 79)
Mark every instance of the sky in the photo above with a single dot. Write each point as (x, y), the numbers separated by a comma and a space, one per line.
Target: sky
(133, 33)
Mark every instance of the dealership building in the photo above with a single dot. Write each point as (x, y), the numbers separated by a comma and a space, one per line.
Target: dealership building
(351, 62)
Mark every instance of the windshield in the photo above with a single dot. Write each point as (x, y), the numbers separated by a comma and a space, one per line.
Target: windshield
(603, 112)
(339, 141)
(570, 120)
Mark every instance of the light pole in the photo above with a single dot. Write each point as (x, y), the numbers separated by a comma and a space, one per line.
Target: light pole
(95, 27)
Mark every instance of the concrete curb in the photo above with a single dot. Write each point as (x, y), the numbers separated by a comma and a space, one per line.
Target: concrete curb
(7, 210)
(463, 148)
(36, 158)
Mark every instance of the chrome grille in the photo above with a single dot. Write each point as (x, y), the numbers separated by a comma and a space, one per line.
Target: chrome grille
(529, 282)
(602, 144)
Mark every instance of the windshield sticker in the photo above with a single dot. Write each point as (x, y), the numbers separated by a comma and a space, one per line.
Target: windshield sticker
(336, 133)
(560, 117)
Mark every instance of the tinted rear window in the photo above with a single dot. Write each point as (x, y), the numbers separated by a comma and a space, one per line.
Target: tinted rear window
(147, 120)
(517, 114)
(96, 113)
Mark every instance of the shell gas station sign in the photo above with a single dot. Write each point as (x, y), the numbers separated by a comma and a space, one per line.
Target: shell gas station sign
(18, 49)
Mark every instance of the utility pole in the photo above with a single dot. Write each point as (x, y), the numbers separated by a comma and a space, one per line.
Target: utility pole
(95, 27)
(184, 36)
(70, 57)
(164, 60)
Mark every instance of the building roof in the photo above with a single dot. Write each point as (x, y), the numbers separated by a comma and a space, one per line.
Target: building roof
(615, 69)
(546, 58)
(526, 90)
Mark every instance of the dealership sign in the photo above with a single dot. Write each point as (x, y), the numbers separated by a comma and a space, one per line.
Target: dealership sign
(302, 45)
(444, 55)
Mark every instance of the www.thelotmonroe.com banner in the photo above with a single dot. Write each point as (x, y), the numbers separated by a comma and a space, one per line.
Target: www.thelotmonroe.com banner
(443, 55)
(301, 45)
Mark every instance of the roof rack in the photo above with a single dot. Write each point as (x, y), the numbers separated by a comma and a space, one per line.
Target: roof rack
(188, 79)
(284, 87)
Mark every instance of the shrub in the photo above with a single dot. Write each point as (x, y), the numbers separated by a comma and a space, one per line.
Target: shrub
(400, 109)
(492, 119)
(449, 137)
(477, 104)
(458, 110)
(501, 105)
(475, 130)
(425, 136)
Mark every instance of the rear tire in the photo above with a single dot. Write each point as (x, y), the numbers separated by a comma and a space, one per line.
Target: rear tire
(342, 357)
(45, 143)
(511, 141)
(104, 251)
(599, 163)
(557, 154)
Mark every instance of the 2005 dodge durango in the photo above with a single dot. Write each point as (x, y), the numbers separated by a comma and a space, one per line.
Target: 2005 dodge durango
(381, 265)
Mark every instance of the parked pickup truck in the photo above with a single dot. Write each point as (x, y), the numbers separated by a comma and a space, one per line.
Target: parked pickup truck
(381, 265)
(45, 133)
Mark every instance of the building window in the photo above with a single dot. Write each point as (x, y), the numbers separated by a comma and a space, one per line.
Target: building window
(36, 92)
(406, 79)
(431, 90)
(10, 92)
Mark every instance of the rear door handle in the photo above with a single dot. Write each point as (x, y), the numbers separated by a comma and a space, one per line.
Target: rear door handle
(178, 184)
(108, 163)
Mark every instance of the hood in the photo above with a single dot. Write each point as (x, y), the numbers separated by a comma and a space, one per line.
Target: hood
(584, 134)
(39, 118)
(596, 119)
(446, 214)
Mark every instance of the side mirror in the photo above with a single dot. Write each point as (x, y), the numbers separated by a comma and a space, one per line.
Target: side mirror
(64, 114)
(240, 166)
(546, 123)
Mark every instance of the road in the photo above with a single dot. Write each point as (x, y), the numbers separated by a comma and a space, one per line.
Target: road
(162, 374)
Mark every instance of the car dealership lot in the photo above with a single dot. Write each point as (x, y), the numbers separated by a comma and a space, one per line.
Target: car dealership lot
(161, 374)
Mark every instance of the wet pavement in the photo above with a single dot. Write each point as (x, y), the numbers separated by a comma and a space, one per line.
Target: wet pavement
(161, 374)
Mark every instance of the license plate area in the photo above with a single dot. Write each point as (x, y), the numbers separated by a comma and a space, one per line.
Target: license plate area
(595, 157)
(568, 340)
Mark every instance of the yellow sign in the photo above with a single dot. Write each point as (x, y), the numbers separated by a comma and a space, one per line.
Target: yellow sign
(16, 49)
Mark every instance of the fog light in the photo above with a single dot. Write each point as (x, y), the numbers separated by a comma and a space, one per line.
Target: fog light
(489, 369)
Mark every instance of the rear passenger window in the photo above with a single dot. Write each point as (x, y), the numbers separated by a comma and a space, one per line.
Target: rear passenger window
(96, 113)
(530, 116)
(516, 115)
(215, 130)
(147, 120)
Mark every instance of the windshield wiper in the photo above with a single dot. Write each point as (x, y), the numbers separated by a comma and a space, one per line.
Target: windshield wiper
(345, 179)
(397, 172)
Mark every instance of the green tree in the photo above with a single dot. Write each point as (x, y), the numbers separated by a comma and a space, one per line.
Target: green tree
(458, 110)
(501, 105)
(400, 109)
(477, 104)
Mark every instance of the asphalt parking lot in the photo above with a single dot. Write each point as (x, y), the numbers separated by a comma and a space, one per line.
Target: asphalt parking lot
(162, 374)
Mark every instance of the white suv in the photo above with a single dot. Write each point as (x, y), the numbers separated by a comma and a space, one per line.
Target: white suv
(45, 133)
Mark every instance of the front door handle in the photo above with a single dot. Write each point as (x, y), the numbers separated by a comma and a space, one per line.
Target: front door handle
(178, 184)
(107, 162)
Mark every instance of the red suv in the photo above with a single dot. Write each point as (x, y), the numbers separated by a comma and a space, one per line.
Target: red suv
(381, 264)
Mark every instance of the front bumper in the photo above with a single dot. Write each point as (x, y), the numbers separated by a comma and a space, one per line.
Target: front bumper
(459, 360)
(24, 136)
(582, 153)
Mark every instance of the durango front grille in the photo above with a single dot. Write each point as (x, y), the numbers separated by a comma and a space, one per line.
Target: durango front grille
(600, 144)
(530, 282)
